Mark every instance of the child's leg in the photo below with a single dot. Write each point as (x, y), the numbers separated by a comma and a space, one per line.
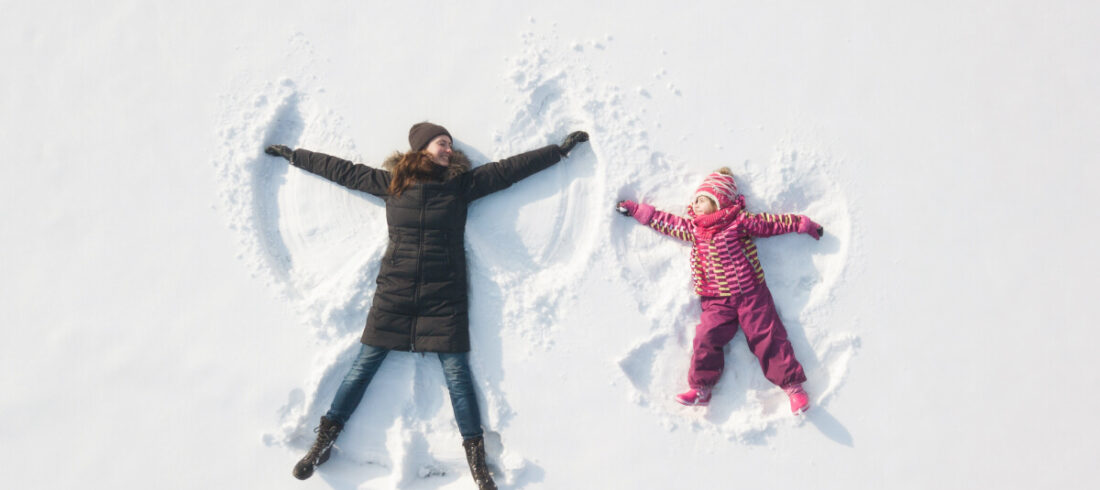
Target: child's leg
(767, 339)
(716, 328)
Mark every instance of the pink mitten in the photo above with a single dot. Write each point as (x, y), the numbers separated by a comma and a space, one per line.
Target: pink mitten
(808, 227)
(626, 208)
(641, 212)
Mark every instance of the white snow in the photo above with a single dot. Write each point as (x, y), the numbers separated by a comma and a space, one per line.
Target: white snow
(181, 307)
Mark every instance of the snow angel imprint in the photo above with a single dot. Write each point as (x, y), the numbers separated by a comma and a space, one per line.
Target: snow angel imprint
(728, 277)
(420, 303)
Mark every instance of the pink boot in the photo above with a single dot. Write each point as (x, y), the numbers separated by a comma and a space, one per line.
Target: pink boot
(697, 397)
(800, 401)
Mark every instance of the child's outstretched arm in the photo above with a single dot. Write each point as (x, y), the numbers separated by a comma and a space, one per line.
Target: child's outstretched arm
(767, 224)
(665, 223)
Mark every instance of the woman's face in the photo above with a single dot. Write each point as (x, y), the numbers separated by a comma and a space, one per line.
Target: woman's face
(440, 150)
(703, 205)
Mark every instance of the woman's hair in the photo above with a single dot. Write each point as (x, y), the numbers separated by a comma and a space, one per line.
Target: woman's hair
(725, 171)
(413, 167)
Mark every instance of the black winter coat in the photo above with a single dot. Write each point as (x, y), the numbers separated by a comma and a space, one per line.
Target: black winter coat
(420, 303)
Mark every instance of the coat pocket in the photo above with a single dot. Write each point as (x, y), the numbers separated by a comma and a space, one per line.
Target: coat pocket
(391, 252)
(448, 260)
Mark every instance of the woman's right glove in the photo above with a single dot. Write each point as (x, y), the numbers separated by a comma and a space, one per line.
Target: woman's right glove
(279, 151)
(808, 227)
(572, 140)
(641, 212)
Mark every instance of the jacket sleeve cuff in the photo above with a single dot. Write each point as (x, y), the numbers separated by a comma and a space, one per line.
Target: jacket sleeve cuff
(644, 213)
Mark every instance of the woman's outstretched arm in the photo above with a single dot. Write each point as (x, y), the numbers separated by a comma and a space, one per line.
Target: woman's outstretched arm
(496, 176)
(351, 175)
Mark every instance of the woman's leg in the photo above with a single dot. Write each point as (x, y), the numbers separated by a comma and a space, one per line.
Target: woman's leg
(460, 383)
(355, 382)
(347, 398)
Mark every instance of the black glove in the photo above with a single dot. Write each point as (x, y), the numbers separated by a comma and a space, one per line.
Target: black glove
(570, 141)
(279, 151)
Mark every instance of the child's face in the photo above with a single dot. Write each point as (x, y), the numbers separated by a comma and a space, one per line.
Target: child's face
(703, 205)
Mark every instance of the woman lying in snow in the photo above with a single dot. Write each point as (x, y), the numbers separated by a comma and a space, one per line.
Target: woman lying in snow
(420, 303)
(728, 276)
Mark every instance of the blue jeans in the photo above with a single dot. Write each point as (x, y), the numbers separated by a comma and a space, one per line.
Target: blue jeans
(460, 384)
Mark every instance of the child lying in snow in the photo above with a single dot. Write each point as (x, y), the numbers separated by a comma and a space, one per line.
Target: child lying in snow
(728, 276)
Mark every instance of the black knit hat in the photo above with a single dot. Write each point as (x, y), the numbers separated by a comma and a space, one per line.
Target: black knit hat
(422, 133)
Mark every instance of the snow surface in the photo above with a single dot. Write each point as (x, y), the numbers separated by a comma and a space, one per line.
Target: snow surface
(183, 307)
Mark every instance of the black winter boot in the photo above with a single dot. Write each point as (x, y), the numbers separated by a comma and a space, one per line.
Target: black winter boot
(475, 455)
(322, 447)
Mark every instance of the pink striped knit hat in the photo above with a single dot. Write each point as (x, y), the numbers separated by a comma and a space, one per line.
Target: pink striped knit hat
(720, 188)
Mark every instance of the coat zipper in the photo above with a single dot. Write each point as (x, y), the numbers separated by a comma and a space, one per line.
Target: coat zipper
(419, 268)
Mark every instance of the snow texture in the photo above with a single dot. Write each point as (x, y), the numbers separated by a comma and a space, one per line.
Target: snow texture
(180, 307)
(318, 245)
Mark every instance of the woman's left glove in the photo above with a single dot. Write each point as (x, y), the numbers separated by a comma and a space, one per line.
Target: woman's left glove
(570, 141)
(808, 227)
(279, 151)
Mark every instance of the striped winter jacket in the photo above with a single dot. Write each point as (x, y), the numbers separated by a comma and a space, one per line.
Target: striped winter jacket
(726, 264)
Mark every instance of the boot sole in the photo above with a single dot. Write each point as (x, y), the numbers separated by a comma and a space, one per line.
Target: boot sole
(692, 404)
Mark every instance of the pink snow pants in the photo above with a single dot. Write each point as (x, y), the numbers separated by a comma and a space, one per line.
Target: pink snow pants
(755, 311)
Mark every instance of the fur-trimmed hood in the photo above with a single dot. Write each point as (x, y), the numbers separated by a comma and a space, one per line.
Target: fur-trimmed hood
(460, 163)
